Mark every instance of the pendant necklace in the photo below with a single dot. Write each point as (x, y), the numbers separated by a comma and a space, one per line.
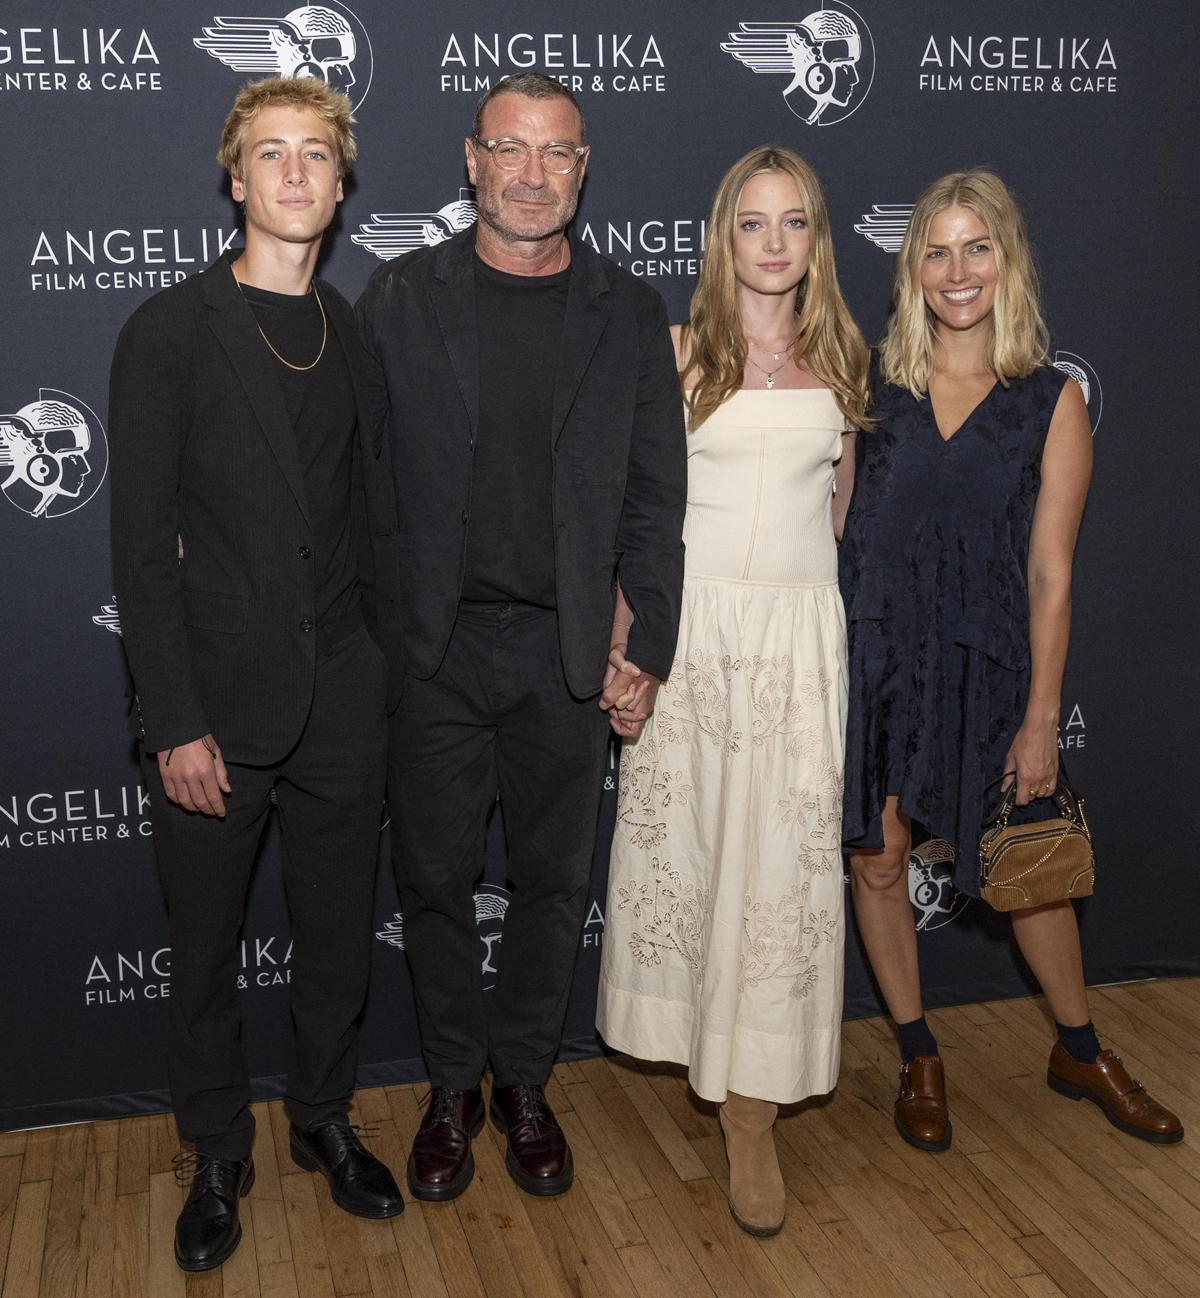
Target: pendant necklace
(324, 328)
(784, 355)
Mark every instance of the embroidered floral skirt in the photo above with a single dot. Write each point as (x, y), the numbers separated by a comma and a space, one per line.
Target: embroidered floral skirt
(724, 929)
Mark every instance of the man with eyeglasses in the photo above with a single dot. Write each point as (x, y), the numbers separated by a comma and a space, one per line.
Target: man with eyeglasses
(527, 388)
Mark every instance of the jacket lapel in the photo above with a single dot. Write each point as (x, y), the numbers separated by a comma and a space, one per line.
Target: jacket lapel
(453, 298)
(587, 315)
(346, 332)
(236, 329)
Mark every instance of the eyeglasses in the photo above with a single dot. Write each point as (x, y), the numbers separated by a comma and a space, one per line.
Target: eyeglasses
(512, 155)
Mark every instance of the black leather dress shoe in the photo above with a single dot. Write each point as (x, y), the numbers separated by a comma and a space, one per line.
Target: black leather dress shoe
(539, 1158)
(208, 1229)
(441, 1164)
(359, 1182)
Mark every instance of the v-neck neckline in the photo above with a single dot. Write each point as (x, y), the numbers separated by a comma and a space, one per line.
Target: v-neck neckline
(975, 409)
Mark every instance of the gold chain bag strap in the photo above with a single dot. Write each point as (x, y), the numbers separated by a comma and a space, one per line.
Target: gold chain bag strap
(1031, 865)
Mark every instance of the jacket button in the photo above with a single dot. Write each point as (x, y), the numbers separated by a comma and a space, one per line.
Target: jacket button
(464, 516)
(305, 552)
(306, 625)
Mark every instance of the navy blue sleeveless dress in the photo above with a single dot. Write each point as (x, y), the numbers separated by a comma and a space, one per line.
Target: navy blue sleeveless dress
(933, 570)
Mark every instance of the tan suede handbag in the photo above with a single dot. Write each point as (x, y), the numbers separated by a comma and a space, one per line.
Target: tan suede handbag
(1031, 865)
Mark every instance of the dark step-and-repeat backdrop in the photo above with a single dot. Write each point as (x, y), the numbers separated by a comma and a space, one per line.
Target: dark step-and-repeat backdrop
(112, 111)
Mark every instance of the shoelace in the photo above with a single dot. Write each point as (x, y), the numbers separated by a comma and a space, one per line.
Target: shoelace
(202, 1171)
(443, 1103)
(532, 1106)
(345, 1137)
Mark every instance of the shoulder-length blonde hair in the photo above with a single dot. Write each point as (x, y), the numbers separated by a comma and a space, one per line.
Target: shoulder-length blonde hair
(1019, 341)
(826, 335)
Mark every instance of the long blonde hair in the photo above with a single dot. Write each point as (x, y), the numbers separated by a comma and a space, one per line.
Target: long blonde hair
(1019, 341)
(826, 336)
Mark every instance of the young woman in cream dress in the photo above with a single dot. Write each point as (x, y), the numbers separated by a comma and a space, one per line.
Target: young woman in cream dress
(724, 928)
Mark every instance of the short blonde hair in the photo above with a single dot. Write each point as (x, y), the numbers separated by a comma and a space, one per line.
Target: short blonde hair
(826, 337)
(1019, 341)
(331, 106)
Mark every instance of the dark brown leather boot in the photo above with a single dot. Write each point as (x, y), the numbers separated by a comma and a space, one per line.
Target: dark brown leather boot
(539, 1158)
(441, 1164)
(1123, 1101)
(921, 1114)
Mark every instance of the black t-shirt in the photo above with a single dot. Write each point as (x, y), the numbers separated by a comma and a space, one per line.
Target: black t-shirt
(324, 416)
(510, 535)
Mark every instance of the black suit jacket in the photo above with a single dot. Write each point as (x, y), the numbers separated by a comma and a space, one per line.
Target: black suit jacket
(618, 442)
(202, 448)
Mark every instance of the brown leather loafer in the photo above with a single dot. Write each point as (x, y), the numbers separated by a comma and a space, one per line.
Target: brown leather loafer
(441, 1164)
(1123, 1101)
(921, 1114)
(539, 1158)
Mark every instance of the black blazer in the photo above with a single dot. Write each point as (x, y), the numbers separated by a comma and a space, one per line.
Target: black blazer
(618, 439)
(202, 448)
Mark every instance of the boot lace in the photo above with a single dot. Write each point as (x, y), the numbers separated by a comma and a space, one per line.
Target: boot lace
(532, 1106)
(441, 1103)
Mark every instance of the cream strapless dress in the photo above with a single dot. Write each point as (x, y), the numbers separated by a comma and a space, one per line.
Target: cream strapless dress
(724, 927)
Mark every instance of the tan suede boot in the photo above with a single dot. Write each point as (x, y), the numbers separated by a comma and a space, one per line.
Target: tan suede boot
(756, 1196)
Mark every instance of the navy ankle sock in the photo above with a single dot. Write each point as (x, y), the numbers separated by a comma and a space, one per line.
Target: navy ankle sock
(1081, 1044)
(916, 1039)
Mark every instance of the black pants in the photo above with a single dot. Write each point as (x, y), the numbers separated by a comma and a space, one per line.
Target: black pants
(496, 718)
(329, 790)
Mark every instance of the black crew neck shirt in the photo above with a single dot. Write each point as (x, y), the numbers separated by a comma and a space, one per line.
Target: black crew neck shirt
(320, 403)
(510, 533)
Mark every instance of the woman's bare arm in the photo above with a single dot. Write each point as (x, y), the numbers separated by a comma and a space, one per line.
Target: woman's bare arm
(1066, 472)
(843, 484)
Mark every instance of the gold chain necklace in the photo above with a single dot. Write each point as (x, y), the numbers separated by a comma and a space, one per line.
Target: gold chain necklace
(769, 373)
(787, 354)
(324, 328)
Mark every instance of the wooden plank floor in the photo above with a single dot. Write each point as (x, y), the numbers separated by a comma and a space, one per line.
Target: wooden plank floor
(1038, 1196)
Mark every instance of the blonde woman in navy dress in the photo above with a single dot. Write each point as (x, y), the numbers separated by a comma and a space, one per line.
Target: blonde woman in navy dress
(956, 570)
(724, 929)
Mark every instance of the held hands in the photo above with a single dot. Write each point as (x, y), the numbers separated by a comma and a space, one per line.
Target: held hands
(1034, 757)
(193, 776)
(628, 695)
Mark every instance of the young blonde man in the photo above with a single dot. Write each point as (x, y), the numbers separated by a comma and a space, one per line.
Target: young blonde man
(253, 528)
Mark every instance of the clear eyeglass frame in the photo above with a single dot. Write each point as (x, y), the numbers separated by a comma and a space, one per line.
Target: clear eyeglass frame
(525, 150)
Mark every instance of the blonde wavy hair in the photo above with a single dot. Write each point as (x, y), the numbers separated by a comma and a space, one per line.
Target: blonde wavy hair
(331, 106)
(826, 336)
(1019, 341)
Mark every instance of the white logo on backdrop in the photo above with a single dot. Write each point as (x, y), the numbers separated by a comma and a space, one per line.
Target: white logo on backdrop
(491, 905)
(108, 617)
(388, 235)
(829, 56)
(326, 41)
(53, 455)
(931, 886)
(885, 225)
(1075, 367)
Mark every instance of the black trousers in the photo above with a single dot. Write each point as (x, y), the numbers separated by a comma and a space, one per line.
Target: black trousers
(497, 717)
(329, 790)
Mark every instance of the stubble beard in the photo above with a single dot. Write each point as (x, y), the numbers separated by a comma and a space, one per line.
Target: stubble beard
(491, 207)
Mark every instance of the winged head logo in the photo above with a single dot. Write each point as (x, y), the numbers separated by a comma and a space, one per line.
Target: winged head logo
(885, 225)
(930, 885)
(388, 235)
(323, 41)
(491, 905)
(53, 455)
(829, 56)
(1075, 367)
(108, 617)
